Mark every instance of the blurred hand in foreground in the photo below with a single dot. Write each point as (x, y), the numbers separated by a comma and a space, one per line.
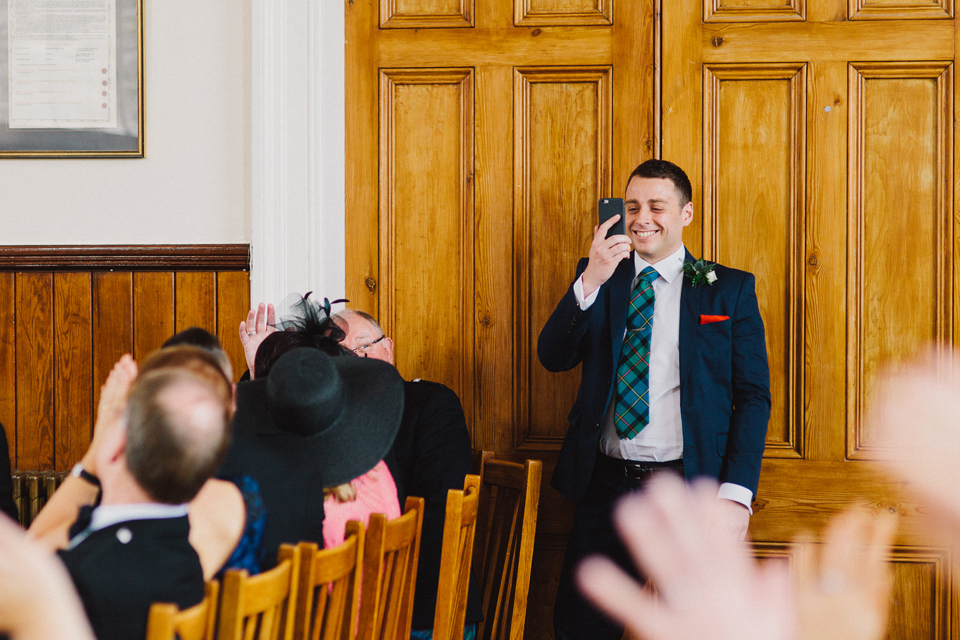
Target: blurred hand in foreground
(708, 584)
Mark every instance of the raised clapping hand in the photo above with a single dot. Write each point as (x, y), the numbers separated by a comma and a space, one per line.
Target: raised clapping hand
(254, 330)
(113, 402)
(709, 586)
(917, 413)
(843, 585)
(605, 254)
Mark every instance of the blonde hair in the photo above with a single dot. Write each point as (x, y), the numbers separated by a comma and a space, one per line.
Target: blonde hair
(342, 492)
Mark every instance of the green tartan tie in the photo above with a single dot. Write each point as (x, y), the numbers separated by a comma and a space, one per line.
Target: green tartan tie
(632, 410)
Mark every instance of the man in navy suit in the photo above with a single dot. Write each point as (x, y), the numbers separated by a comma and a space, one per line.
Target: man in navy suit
(698, 401)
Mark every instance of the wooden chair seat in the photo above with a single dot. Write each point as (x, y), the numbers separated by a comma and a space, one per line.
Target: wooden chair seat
(329, 588)
(456, 558)
(261, 607)
(167, 622)
(503, 549)
(391, 551)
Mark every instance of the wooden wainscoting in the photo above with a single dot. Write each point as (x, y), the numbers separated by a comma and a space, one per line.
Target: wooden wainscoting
(68, 313)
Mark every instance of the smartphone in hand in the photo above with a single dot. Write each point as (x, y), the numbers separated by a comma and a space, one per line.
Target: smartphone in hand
(609, 207)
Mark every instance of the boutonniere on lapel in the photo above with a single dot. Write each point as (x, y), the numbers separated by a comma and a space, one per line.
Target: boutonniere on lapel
(699, 272)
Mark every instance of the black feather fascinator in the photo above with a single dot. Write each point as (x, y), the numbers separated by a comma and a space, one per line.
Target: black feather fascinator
(314, 319)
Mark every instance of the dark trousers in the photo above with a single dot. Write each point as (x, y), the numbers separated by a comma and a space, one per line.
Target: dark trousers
(574, 618)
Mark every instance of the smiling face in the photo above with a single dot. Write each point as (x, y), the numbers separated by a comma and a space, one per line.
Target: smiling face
(655, 219)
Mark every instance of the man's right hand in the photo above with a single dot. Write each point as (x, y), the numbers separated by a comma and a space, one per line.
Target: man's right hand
(605, 254)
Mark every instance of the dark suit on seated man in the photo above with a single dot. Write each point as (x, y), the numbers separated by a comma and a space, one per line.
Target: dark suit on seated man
(674, 377)
(133, 549)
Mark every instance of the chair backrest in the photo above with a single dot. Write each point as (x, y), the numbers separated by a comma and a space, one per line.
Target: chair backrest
(329, 588)
(456, 557)
(391, 551)
(503, 550)
(261, 607)
(167, 622)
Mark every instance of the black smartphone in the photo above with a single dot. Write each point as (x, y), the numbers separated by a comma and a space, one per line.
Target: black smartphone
(609, 207)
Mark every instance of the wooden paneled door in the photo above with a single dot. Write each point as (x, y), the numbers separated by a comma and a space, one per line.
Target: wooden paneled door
(819, 135)
(480, 134)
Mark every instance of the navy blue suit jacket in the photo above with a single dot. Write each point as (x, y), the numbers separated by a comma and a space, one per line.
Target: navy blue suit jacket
(724, 379)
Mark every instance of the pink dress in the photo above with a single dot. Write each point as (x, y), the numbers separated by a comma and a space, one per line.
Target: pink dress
(376, 493)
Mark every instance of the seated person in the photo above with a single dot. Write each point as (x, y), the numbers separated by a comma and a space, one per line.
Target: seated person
(217, 513)
(430, 455)
(313, 422)
(133, 549)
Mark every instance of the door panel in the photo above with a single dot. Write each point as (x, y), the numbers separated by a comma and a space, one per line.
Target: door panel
(426, 223)
(562, 156)
(754, 157)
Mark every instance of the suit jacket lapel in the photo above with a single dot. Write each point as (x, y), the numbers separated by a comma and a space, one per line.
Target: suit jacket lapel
(619, 296)
(689, 319)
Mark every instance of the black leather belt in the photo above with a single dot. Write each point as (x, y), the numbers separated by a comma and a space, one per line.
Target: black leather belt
(633, 469)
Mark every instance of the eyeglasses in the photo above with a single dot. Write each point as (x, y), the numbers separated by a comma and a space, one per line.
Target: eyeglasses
(364, 348)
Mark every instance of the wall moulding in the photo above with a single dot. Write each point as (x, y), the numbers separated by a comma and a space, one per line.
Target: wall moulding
(190, 257)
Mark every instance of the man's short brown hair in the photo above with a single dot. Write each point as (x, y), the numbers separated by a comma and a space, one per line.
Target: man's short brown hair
(177, 432)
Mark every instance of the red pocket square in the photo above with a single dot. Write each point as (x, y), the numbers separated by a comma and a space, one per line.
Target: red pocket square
(709, 319)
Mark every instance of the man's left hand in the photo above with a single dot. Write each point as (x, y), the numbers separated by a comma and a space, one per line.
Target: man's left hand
(734, 518)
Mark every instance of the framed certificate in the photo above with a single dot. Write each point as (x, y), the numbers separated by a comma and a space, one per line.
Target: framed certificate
(71, 78)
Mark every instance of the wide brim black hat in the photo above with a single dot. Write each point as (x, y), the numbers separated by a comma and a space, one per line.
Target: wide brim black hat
(339, 413)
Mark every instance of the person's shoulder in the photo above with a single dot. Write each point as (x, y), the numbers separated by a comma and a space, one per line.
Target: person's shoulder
(730, 276)
(420, 393)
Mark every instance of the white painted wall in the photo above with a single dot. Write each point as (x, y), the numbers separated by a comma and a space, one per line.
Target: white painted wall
(193, 186)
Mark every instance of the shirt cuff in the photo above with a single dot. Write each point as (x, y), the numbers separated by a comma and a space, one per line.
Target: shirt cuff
(736, 493)
(583, 303)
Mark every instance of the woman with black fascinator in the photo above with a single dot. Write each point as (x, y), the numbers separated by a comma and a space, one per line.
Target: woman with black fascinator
(280, 437)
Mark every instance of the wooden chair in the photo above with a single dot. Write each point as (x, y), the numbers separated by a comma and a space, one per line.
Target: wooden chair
(390, 558)
(167, 622)
(329, 588)
(456, 557)
(503, 550)
(261, 607)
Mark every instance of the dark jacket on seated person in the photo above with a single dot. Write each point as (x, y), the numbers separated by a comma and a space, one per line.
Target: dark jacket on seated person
(432, 454)
(122, 569)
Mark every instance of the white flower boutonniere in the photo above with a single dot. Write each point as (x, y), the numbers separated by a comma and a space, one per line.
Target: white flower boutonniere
(700, 272)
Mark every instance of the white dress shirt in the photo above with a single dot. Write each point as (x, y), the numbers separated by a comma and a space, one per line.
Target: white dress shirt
(662, 439)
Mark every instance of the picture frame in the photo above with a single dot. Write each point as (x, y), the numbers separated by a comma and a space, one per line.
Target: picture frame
(71, 79)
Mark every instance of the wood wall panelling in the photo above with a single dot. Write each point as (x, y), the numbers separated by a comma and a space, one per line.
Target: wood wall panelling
(35, 367)
(61, 332)
(900, 9)
(754, 180)
(494, 255)
(902, 111)
(427, 224)
(233, 302)
(73, 370)
(425, 14)
(824, 295)
(8, 362)
(196, 300)
(562, 121)
(753, 11)
(153, 312)
(543, 13)
(112, 295)
(920, 595)
(836, 40)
